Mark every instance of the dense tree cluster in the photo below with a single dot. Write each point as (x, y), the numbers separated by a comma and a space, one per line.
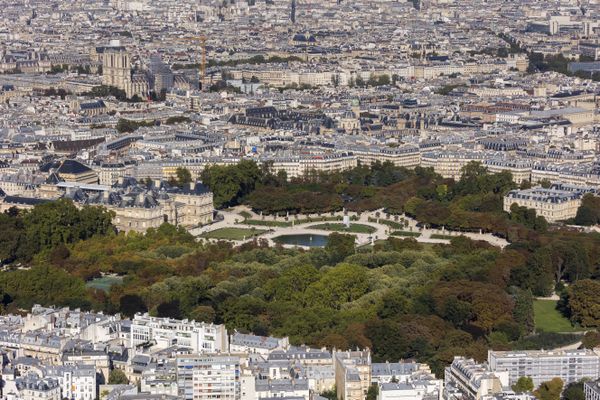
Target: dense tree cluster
(549, 390)
(582, 303)
(401, 298)
(177, 120)
(589, 211)
(231, 183)
(523, 385)
(127, 125)
(48, 227)
(104, 91)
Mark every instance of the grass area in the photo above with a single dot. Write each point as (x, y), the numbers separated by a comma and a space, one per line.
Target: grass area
(391, 224)
(353, 228)
(232, 233)
(285, 224)
(443, 237)
(549, 319)
(104, 283)
(406, 233)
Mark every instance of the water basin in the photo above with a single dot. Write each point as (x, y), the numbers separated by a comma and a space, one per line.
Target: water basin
(302, 240)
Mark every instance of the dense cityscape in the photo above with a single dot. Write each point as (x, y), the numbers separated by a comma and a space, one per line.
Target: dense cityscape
(300, 199)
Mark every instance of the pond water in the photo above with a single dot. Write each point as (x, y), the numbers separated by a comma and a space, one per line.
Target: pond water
(302, 240)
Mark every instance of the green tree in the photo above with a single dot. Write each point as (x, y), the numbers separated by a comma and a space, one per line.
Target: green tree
(184, 176)
(523, 385)
(393, 303)
(339, 246)
(126, 125)
(44, 285)
(591, 340)
(12, 232)
(117, 377)
(525, 184)
(523, 309)
(130, 304)
(169, 309)
(574, 391)
(588, 212)
(292, 284)
(177, 120)
(373, 392)
(456, 311)
(341, 284)
(203, 314)
(549, 390)
(59, 222)
(230, 184)
(583, 302)
(383, 80)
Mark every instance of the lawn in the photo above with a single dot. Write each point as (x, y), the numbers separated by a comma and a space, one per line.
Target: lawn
(406, 233)
(549, 319)
(104, 283)
(391, 224)
(232, 233)
(354, 228)
(245, 214)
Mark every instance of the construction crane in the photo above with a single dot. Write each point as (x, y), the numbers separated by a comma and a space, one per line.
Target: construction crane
(201, 40)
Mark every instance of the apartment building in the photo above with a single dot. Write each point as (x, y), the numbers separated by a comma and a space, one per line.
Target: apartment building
(352, 374)
(164, 332)
(305, 356)
(85, 356)
(405, 156)
(401, 372)
(298, 165)
(402, 391)
(281, 388)
(449, 164)
(32, 387)
(592, 390)
(110, 173)
(77, 382)
(519, 169)
(246, 343)
(543, 365)
(475, 381)
(209, 377)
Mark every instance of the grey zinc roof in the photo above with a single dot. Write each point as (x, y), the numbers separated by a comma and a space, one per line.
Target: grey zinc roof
(242, 339)
(378, 369)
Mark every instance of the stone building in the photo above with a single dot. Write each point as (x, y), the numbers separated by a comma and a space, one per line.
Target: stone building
(136, 207)
(117, 70)
(560, 202)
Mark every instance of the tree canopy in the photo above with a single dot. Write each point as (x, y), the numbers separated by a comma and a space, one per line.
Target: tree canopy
(401, 298)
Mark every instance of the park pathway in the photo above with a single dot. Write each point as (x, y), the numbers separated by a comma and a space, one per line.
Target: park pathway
(232, 218)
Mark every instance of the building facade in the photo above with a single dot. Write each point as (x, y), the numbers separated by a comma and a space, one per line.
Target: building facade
(165, 332)
(543, 365)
